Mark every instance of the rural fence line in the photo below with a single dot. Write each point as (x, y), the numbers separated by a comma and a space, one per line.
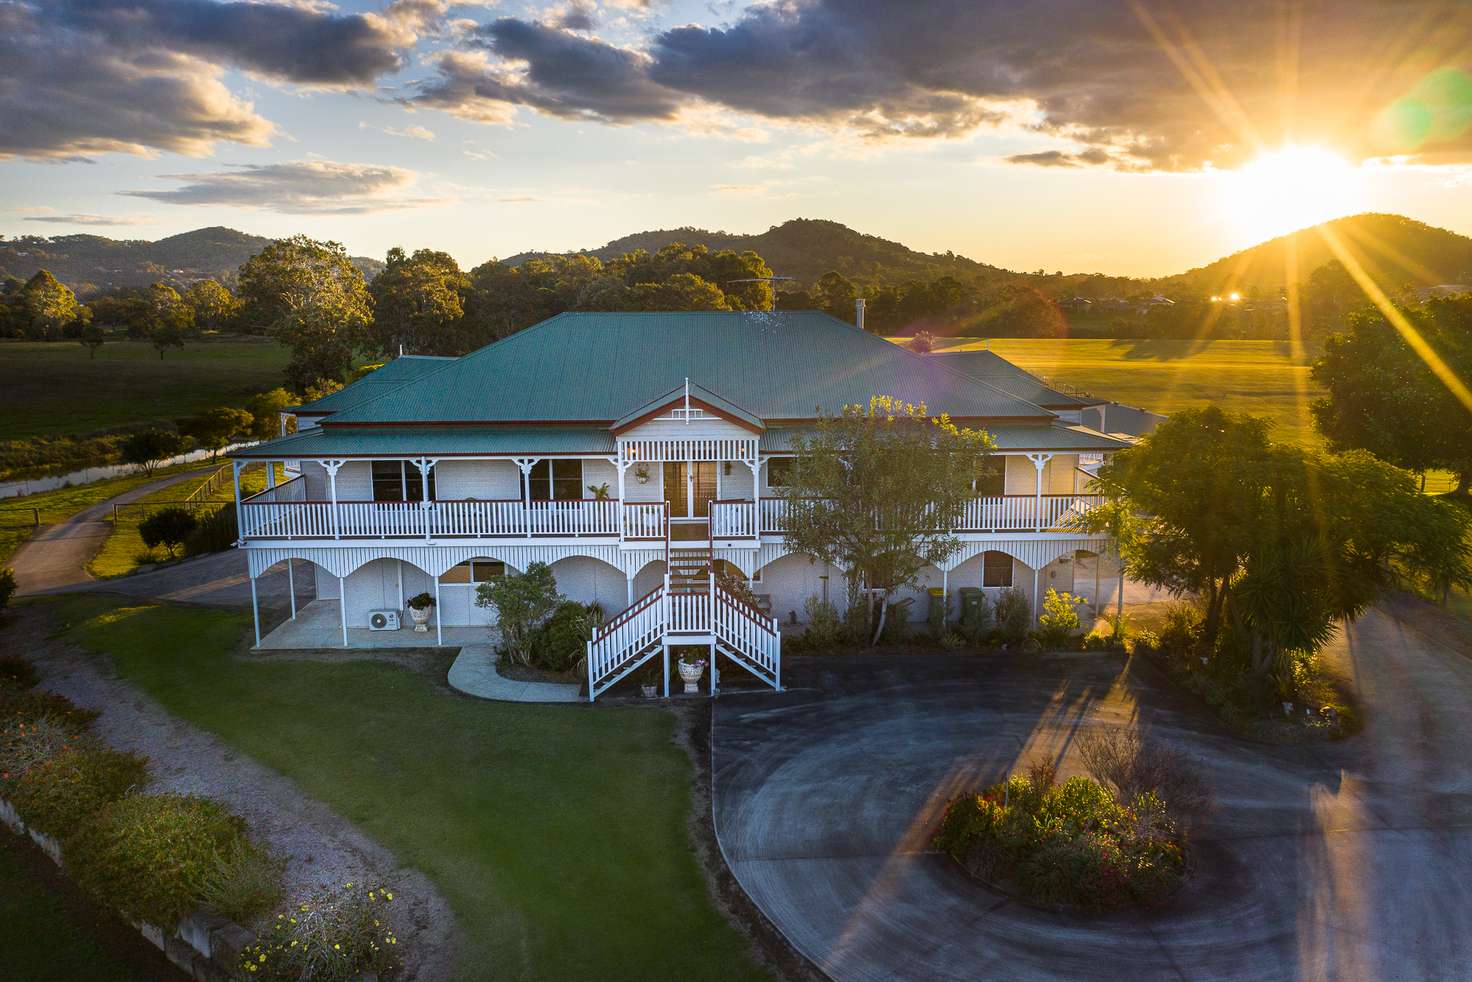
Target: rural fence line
(20, 518)
(211, 484)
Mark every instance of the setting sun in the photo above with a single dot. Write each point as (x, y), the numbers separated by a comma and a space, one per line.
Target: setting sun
(1291, 188)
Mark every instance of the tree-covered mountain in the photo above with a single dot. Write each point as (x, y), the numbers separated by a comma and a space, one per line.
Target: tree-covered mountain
(1399, 253)
(92, 263)
(806, 248)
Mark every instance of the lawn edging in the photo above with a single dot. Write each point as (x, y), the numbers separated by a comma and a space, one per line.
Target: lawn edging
(204, 946)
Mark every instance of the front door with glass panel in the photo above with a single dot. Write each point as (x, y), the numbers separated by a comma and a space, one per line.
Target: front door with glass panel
(690, 487)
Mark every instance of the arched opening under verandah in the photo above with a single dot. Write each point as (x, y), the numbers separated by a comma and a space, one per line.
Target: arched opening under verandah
(362, 602)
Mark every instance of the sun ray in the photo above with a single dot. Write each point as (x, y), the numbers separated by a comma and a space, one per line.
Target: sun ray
(1398, 320)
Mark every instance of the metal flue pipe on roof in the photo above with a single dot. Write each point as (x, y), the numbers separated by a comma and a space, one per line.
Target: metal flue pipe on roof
(859, 313)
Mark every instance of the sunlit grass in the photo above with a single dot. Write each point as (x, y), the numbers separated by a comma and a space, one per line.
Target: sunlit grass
(557, 833)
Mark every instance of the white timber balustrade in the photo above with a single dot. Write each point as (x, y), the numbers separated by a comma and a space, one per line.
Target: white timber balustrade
(733, 519)
(662, 617)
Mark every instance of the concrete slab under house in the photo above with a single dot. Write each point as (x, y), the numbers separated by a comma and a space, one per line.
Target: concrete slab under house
(641, 456)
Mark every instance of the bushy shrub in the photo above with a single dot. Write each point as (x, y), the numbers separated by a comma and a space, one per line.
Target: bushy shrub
(522, 602)
(1013, 613)
(1181, 632)
(57, 795)
(33, 704)
(976, 619)
(26, 742)
(1059, 618)
(1143, 643)
(151, 856)
(16, 673)
(7, 586)
(896, 623)
(167, 527)
(244, 884)
(825, 628)
(214, 532)
(331, 937)
(1121, 759)
(1072, 844)
(563, 638)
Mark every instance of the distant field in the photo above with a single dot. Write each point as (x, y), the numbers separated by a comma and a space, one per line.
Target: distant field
(54, 389)
(1164, 376)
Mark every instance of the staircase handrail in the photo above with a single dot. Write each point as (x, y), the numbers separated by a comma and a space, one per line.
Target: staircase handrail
(763, 620)
(627, 614)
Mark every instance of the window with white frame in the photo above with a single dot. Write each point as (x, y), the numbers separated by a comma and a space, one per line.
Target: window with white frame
(555, 480)
(996, 569)
(474, 571)
(399, 480)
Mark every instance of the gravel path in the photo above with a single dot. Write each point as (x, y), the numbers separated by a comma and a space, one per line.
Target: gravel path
(320, 846)
(57, 555)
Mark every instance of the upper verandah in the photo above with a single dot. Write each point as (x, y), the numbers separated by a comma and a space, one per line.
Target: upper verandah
(594, 368)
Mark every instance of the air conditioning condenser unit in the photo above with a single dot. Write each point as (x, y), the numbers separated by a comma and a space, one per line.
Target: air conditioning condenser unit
(383, 620)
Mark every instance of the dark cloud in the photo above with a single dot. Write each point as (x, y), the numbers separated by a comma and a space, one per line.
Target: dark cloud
(301, 187)
(283, 40)
(68, 95)
(1133, 84)
(82, 77)
(578, 15)
(548, 69)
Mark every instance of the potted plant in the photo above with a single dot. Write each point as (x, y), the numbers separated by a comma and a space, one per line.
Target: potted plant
(649, 681)
(600, 491)
(419, 609)
(691, 667)
(641, 473)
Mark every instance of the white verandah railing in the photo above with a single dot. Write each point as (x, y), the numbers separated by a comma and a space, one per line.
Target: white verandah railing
(284, 513)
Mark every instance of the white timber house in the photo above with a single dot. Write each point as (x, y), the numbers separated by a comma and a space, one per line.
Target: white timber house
(639, 454)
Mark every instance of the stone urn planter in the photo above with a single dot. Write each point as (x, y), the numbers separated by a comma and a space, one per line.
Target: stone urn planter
(690, 672)
(420, 608)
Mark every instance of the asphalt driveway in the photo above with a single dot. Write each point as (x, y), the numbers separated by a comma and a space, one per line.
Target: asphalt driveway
(1350, 860)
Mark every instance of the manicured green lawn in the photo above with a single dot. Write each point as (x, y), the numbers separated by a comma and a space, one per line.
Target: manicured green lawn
(557, 833)
(41, 940)
(1257, 377)
(63, 503)
(124, 550)
(54, 388)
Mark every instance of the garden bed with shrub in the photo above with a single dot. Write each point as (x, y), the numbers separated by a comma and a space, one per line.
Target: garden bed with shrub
(1114, 840)
(1298, 702)
(182, 868)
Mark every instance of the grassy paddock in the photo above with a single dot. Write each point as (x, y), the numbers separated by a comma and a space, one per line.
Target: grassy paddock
(1257, 377)
(557, 833)
(54, 388)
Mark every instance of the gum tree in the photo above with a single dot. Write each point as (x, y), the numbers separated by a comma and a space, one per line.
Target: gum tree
(876, 491)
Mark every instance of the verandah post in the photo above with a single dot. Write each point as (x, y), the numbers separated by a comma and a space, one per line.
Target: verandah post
(255, 610)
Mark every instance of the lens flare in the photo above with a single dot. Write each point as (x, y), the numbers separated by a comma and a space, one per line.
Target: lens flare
(1291, 188)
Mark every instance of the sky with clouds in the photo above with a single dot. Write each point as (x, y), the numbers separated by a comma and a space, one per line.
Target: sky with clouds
(1060, 134)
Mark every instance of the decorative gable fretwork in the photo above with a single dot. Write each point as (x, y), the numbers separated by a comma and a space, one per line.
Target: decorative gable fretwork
(654, 450)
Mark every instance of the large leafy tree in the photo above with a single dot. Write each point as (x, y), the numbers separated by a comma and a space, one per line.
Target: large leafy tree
(213, 304)
(48, 306)
(876, 490)
(1197, 482)
(1385, 397)
(418, 302)
(214, 428)
(1287, 542)
(309, 296)
(168, 318)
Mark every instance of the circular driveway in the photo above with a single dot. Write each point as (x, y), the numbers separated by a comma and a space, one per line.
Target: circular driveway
(1350, 860)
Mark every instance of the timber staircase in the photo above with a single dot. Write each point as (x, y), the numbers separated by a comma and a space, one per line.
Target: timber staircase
(689, 608)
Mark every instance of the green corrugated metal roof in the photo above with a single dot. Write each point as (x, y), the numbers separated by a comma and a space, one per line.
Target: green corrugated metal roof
(390, 375)
(1009, 436)
(432, 441)
(995, 370)
(579, 367)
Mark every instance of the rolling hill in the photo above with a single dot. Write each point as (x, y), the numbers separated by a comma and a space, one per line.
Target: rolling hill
(806, 248)
(1397, 251)
(90, 263)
